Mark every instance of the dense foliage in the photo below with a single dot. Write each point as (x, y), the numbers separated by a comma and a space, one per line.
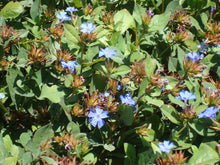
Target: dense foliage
(109, 82)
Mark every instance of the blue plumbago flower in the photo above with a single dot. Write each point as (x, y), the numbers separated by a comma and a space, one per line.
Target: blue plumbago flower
(209, 112)
(218, 45)
(166, 146)
(163, 88)
(127, 99)
(62, 15)
(107, 52)
(194, 56)
(118, 87)
(97, 116)
(212, 9)
(70, 65)
(71, 10)
(87, 27)
(164, 82)
(185, 95)
(106, 94)
(203, 46)
(150, 12)
(2, 95)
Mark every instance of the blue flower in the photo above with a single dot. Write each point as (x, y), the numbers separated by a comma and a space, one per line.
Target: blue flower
(150, 12)
(209, 112)
(97, 116)
(70, 65)
(106, 94)
(166, 146)
(185, 95)
(127, 99)
(2, 95)
(194, 56)
(212, 9)
(107, 52)
(203, 46)
(218, 45)
(62, 15)
(87, 27)
(71, 10)
(118, 87)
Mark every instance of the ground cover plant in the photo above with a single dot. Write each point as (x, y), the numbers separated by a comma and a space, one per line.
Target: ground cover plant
(109, 82)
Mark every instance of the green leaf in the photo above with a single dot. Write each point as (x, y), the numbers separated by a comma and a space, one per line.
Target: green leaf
(195, 23)
(124, 20)
(7, 141)
(77, 3)
(191, 45)
(143, 86)
(53, 93)
(170, 112)
(130, 152)
(126, 114)
(109, 147)
(11, 78)
(150, 135)
(150, 66)
(27, 158)
(11, 160)
(205, 155)
(159, 22)
(172, 65)
(91, 53)
(12, 10)
(201, 127)
(118, 57)
(49, 160)
(154, 101)
(73, 127)
(89, 158)
(34, 12)
(3, 151)
(173, 6)
(71, 35)
(122, 70)
(176, 101)
(25, 137)
(68, 80)
(138, 13)
(42, 134)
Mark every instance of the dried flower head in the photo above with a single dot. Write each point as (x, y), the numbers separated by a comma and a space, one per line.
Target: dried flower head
(77, 110)
(57, 32)
(179, 21)
(108, 18)
(193, 67)
(138, 71)
(212, 97)
(213, 33)
(6, 34)
(37, 56)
